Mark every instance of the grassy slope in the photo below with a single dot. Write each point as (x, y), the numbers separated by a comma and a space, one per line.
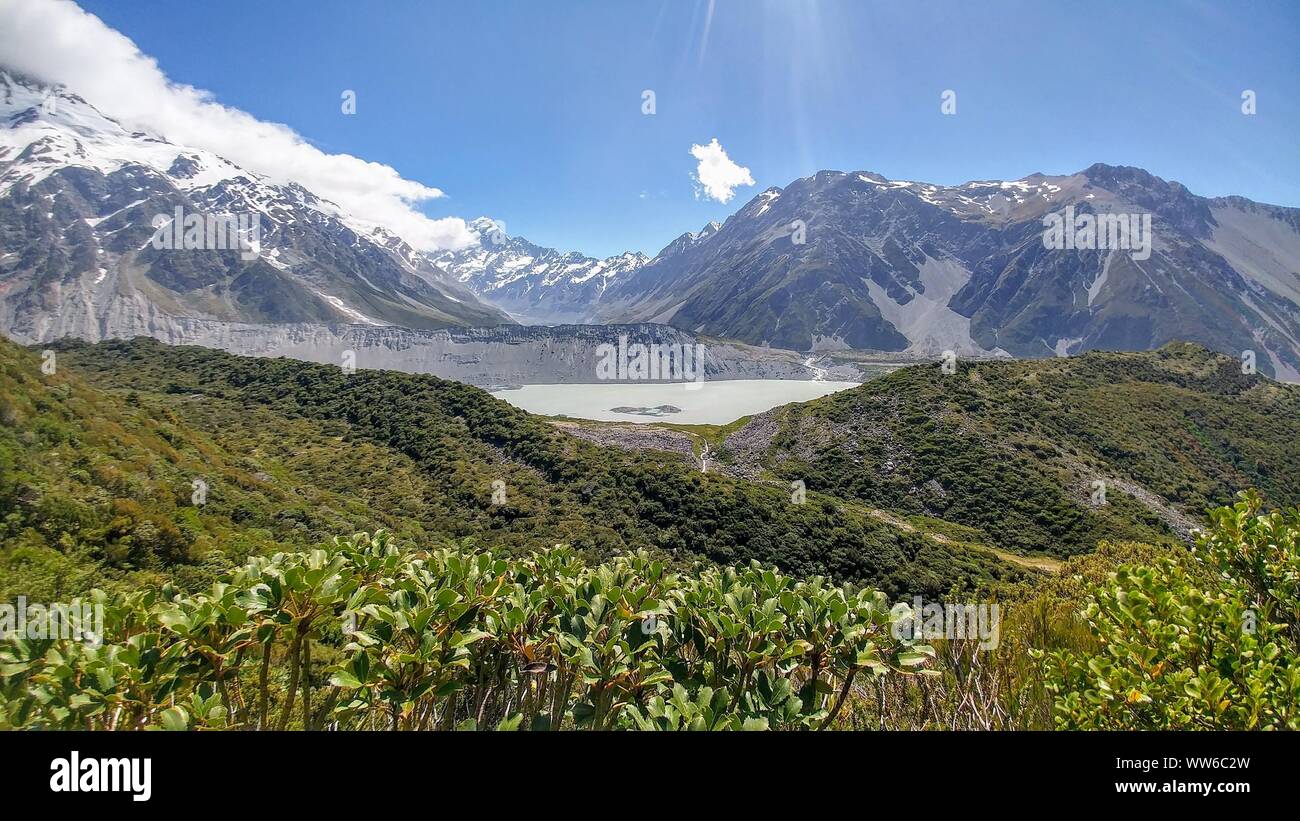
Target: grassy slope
(96, 488)
(1011, 448)
(98, 460)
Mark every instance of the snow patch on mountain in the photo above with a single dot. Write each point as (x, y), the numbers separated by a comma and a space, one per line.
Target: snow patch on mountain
(86, 265)
(50, 129)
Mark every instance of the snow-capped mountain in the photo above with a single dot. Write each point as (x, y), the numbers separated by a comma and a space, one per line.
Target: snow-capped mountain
(857, 260)
(536, 285)
(81, 203)
(838, 259)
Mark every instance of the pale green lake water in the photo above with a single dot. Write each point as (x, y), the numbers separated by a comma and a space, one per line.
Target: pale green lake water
(707, 403)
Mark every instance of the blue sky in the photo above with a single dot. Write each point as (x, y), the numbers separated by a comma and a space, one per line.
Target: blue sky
(530, 112)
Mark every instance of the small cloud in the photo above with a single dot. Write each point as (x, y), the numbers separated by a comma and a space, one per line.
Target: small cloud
(716, 174)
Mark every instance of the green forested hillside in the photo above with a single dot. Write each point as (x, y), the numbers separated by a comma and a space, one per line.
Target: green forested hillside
(98, 463)
(1013, 448)
(261, 618)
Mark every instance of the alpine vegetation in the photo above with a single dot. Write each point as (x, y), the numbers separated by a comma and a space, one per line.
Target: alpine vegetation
(450, 638)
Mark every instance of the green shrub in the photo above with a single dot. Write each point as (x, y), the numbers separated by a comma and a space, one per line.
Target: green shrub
(1206, 641)
(455, 639)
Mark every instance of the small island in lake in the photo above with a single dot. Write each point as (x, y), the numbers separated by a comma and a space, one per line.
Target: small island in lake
(658, 410)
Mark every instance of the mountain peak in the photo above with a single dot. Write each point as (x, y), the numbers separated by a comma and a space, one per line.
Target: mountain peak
(1102, 175)
(534, 284)
(101, 190)
(919, 268)
(873, 176)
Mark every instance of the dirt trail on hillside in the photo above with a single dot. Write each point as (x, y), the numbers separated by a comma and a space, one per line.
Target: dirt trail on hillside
(754, 439)
(1044, 563)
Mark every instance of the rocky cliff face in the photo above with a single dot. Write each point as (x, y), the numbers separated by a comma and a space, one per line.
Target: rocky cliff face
(504, 355)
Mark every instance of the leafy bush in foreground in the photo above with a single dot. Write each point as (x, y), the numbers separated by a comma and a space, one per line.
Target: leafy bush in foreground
(447, 639)
(1202, 642)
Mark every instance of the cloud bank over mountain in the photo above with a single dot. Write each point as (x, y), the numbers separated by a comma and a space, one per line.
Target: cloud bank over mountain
(58, 42)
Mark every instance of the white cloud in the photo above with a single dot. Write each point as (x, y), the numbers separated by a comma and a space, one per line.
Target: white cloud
(716, 173)
(57, 42)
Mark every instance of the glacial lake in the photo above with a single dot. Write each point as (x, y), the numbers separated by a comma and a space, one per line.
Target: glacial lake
(706, 403)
